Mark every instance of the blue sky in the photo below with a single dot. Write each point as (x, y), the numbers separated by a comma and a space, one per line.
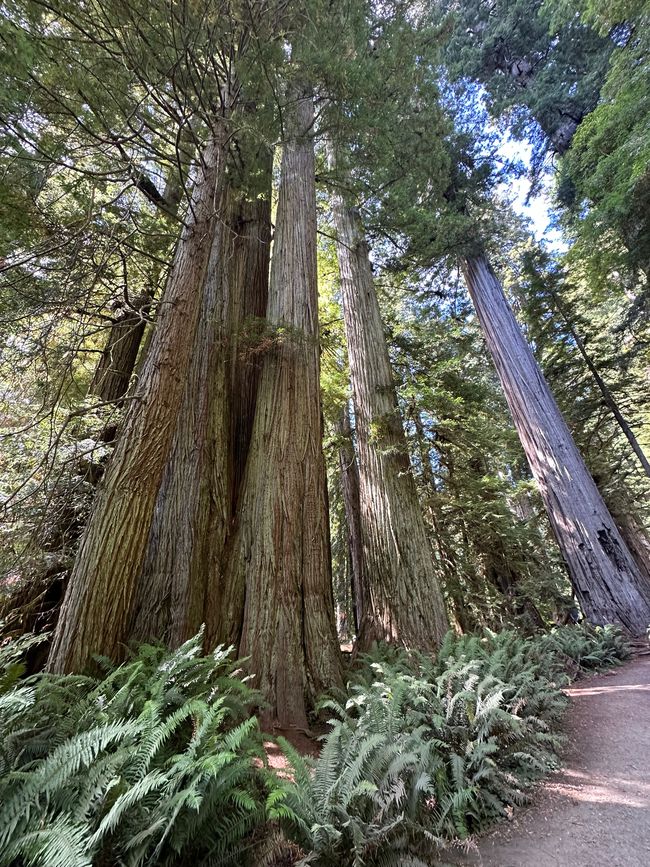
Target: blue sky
(538, 210)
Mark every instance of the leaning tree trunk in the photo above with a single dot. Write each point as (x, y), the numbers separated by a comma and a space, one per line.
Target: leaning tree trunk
(112, 375)
(97, 605)
(405, 601)
(608, 398)
(349, 470)
(280, 556)
(180, 587)
(604, 575)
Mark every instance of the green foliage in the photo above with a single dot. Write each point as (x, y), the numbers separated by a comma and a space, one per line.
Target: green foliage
(534, 68)
(498, 560)
(421, 753)
(590, 647)
(156, 761)
(604, 179)
(159, 762)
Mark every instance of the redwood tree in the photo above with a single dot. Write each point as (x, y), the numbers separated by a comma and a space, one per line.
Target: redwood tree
(97, 605)
(405, 603)
(280, 565)
(181, 583)
(603, 572)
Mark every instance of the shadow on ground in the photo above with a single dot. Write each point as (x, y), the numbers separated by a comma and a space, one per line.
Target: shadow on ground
(595, 812)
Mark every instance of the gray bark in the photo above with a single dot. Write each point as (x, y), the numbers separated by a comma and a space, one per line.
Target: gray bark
(405, 602)
(349, 470)
(604, 575)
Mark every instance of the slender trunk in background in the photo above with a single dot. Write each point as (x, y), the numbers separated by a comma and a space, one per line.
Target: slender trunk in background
(608, 398)
(117, 362)
(459, 613)
(405, 602)
(97, 605)
(113, 373)
(604, 575)
(349, 470)
(280, 555)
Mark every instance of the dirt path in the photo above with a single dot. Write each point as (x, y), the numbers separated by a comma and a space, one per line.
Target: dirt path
(595, 812)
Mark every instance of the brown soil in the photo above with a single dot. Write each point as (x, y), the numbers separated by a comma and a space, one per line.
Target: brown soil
(596, 810)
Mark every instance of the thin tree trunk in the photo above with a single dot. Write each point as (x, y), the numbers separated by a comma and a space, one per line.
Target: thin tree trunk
(451, 571)
(349, 470)
(608, 398)
(280, 555)
(113, 373)
(97, 605)
(604, 575)
(405, 602)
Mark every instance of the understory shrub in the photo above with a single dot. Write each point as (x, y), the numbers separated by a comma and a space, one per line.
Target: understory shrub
(422, 754)
(157, 761)
(160, 761)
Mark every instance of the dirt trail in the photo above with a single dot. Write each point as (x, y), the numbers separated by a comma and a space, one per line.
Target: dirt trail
(596, 810)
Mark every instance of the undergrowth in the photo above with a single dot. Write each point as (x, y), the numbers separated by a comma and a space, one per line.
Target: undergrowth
(160, 761)
(420, 754)
(157, 761)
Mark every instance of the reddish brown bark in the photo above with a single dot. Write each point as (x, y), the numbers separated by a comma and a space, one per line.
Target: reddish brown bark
(405, 602)
(180, 587)
(98, 601)
(280, 555)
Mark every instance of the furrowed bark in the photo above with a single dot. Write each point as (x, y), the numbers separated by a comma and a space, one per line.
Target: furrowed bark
(405, 602)
(169, 599)
(180, 587)
(604, 575)
(349, 470)
(97, 605)
(280, 555)
(113, 373)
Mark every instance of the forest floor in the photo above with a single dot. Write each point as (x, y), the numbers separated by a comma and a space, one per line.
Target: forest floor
(596, 809)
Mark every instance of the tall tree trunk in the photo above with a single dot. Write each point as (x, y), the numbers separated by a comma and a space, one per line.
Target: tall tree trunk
(181, 582)
(170, 592)
(405, 602)
(604, 575)
(97, 605)
(249, 276)
(349, 470)
(280, 555)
